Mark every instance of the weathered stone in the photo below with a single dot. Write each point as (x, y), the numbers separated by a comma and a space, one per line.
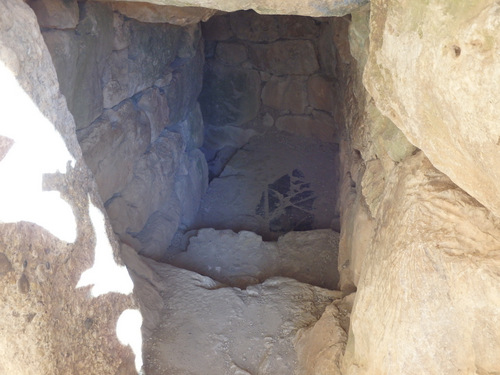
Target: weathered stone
(248, 25)
(121, 29)
(152, 184)
(183, 89)
(112, 144)
(154, 104)
(407, 276)
(53, 230)
(217, 28)
(321, 94)
(146, 12)
(79, 57)
(319, 126)
(191, 129)
(285, 57)
(316, 8)
(287, 94)
(191, 185)
(433, 71)
(243, 259)
(57, 14)
(231, 53)
(5, 264)
(218, 330)
(268, 187)
(116, 80)
(320, 348)
(230, 96)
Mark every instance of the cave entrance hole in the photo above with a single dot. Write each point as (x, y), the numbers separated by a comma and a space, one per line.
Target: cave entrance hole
(271, 120)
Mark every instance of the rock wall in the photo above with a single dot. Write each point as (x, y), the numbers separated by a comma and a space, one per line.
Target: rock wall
(59, 315)
(132, 89)
(419, 250)
(263, 73)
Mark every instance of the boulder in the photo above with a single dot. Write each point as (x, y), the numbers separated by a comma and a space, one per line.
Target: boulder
(433, 70)
(210, 329)
(57, 14)
(429, 276)
(59, 315)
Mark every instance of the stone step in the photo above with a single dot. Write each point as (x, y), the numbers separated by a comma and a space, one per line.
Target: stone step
(243, 259)
(206, 328)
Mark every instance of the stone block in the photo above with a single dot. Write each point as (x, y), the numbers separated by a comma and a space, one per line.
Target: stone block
(231, 53)
(321, 93)
(248, 25)
(217, 28)
(230, 96)
(56, 14)
(285, 57)
(286, 94)
(112, 144)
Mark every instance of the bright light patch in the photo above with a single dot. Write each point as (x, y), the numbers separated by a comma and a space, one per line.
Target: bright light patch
(38, 149)
(106, 275)
(128, 330)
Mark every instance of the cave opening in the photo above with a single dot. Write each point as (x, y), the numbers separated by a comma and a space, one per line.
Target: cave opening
(216, 151)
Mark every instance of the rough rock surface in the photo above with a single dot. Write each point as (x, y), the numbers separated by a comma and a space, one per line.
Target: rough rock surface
(433, 70)
(132, 88)
(316, 8)
(275, 184)
(243, 259)
(59, 316)
(267, 73)
(207, 328)
(152, 13)
(430, 276)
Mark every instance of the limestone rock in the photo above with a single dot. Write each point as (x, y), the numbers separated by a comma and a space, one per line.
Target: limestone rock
(320, 348)
(286, 94)
(191, 129)
(183, 89)
(190, 186)
(152, 184)
(112, 144)
(79, 57)
(319, 126)
(433, 70)
(210, 329)
(54, 237)
(243, 259)
(153, 102)
(231, 53)
(421, 278)
(285, 57)
(146, 12)
(253, 27)
(269, 187)
(58, 14)
(320, 92)
(217, 28)
(230, 96)
(316, 8)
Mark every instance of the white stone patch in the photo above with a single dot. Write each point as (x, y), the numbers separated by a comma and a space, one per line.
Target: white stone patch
(38, 149)
(128, 330)
(105, 274)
